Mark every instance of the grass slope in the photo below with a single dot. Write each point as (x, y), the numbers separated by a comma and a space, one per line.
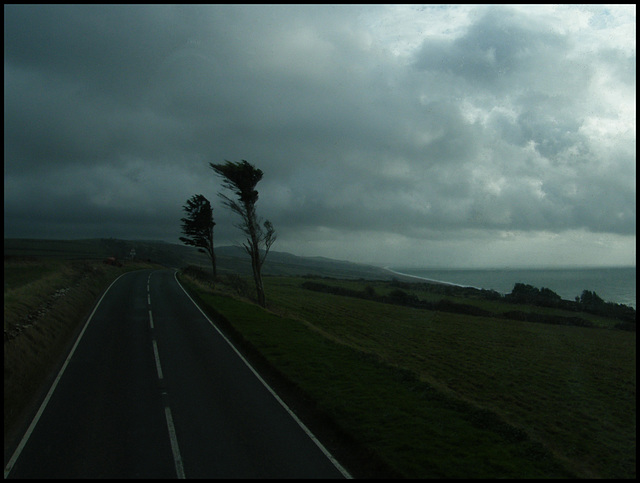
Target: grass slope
(446, 395)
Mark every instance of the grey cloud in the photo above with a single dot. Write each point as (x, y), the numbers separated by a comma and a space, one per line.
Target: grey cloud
(621, 65)
(494, 51)
(109, 50)
(113, 113)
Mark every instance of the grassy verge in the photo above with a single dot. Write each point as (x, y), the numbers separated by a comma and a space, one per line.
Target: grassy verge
(45, 302)
(411, 424)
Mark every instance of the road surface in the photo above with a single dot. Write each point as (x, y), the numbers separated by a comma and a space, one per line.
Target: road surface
(153, 390)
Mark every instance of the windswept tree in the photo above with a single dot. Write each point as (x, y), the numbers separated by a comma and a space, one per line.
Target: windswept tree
(198, 227)
(241, 178)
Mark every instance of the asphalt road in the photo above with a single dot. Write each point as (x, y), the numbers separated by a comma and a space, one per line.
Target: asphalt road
(153, 390)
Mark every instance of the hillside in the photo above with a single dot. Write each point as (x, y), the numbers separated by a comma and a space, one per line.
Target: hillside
(228, 258)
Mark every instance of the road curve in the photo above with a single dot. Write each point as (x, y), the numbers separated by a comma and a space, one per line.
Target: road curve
(153, 390)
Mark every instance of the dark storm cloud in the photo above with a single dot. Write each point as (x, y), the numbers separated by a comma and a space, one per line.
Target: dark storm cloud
(514, 123)
(107, 50)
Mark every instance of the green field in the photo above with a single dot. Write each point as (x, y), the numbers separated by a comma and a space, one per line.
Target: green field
(447, 395)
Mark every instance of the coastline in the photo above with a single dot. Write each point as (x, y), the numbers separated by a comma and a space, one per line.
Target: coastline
(611, 284)
(424, 279)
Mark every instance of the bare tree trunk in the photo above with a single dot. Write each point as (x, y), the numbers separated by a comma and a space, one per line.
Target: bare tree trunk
(260, 289)
(213, 263)
(256, 266)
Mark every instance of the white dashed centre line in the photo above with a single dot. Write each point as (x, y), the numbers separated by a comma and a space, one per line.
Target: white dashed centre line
(157, 357)
(175, 449)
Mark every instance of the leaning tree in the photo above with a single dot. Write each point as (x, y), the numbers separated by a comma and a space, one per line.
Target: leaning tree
(241, 179)
(198, 227)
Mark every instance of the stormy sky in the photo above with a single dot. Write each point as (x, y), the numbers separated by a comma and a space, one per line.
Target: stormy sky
(437, 136)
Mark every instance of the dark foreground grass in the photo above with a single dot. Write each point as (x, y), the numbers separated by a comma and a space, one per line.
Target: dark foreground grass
(415, 429)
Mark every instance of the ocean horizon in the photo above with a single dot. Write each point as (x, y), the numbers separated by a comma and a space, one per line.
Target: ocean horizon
(612, 284)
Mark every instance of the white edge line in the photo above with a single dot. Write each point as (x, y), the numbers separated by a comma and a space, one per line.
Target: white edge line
(326, 452)
(36, 418)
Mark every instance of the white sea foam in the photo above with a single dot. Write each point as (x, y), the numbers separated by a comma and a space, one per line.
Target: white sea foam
(429, 279)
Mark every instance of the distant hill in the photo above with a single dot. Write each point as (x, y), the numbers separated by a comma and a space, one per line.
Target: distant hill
(230, 259)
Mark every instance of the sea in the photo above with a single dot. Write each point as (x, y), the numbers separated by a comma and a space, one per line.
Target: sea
(612, 284)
